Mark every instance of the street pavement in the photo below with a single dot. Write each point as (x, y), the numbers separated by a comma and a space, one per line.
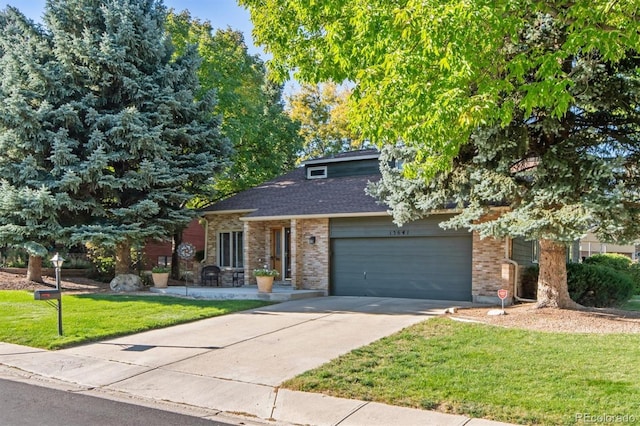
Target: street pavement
(233, 365)
(26, 404)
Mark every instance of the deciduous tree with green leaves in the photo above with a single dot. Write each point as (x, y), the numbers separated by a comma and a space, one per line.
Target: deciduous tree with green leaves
(102, 124)
(530, 108)
(323, 113)
(264, 139)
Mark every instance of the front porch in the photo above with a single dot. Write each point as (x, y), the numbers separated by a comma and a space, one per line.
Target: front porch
(280, 293)
(297, 248)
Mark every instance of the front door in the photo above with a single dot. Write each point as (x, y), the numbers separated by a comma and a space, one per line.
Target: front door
(280, 251)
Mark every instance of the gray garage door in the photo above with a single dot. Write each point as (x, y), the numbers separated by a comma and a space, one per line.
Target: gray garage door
(372, 257)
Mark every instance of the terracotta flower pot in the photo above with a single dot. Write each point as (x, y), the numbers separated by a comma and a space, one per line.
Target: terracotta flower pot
(265, 284)
(160, 279)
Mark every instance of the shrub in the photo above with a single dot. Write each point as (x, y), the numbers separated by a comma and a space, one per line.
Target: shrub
(529, 283)
(12, 257)
(104, 264)
(598, 285)
(589, 284)
(616, 261)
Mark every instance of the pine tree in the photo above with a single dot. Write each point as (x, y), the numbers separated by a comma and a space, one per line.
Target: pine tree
(124, 144)
(29, 198)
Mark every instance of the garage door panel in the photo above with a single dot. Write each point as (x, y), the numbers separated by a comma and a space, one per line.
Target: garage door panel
(418, 267)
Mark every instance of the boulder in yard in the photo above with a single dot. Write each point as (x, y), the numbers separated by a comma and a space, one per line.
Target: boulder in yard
(126, 282)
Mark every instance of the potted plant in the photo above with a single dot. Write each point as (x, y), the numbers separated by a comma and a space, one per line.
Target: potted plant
(265, 277)
(160, 276)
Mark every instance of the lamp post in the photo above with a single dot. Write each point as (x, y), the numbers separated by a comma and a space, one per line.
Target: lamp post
(57, 261)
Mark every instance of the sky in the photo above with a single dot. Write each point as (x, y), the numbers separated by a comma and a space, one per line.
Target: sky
(221, 14)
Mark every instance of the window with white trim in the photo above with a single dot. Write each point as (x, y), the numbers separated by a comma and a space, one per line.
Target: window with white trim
(230, 249)
(317, 172)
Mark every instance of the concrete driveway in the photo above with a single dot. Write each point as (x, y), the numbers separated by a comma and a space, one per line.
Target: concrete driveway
(269, 345)
(232, 363)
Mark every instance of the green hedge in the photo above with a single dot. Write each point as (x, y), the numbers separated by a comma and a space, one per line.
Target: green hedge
(593, 285)
(598, 285)
(618, 262)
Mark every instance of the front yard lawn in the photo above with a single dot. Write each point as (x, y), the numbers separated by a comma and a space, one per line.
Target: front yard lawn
(91, 317)
(633, 304)
(510, 375)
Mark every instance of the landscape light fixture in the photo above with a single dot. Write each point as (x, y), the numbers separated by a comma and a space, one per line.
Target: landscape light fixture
(57, 261)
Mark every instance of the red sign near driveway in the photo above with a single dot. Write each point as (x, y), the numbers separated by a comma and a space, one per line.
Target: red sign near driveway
(502, 293)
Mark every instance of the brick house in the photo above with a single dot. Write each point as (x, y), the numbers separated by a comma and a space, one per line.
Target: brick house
(320, 230)
(158, 253)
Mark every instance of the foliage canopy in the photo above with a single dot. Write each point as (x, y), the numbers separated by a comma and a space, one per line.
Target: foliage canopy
(323, 113)
(531, 106)
(264, 139)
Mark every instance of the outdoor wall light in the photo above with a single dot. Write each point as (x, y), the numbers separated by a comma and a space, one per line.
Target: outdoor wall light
(312, 239)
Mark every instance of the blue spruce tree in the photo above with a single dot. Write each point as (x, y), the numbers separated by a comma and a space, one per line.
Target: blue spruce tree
(121, 144)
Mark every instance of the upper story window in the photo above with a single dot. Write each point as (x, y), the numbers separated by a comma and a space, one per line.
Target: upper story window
(317, 172)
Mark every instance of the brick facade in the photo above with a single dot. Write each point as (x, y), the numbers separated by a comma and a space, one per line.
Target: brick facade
(309, 263)
(312, 260)
(157, 252)
(215, 224)
(486, 268)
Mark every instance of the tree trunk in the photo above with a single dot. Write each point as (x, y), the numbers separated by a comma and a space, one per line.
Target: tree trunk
(34, 269)
(175, 259)
(552, 280)
(123, 258)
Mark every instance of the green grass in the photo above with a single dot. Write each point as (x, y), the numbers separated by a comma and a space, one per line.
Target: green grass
(92, 317)
(633, 304)
(510, 375)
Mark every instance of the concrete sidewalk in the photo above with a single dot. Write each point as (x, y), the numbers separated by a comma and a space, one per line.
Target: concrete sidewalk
(234, 364)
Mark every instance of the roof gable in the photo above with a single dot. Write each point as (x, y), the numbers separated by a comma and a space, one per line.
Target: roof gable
(292, 194)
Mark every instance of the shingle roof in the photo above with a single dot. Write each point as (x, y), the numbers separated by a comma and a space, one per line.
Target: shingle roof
(292, 195)
(345, 156)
